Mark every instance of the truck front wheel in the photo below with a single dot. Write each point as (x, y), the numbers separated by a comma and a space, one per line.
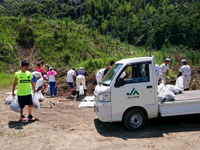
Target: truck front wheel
(134, 119)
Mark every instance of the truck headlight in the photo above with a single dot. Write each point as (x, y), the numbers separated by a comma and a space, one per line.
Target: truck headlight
(104, 97)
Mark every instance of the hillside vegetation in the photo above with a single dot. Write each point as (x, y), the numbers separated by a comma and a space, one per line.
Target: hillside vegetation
(62, 43)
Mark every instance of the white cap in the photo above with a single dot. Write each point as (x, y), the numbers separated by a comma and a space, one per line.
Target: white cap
(81, 68)
(44, 76)
(183, 60)
(50, 68)
(167, 59)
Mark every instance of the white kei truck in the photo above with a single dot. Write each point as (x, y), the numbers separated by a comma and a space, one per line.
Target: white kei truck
(134, 98)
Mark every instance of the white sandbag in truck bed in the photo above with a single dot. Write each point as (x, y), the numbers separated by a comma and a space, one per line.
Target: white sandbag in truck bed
(179, 82)
(174, 89)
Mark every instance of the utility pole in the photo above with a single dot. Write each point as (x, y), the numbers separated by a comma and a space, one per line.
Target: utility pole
(81, 10)
(76, 13)
(149, 39)
(110, 21)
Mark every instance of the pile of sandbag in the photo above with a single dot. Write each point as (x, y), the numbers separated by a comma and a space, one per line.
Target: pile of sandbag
(167, 92)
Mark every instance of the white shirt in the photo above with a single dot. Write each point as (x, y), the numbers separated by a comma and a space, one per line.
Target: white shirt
(157, 68)
(164, 68)
(70, 74)
(37, 74)
(123, 75)
(39, 83)
(52, 78)
(100, 72)
(185, 70)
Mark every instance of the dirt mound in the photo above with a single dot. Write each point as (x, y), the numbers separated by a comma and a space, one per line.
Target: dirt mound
(195, 77)
(63, 87)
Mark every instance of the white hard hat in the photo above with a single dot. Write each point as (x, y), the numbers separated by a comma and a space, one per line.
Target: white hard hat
(167, 59)
(183, 60)
(44, 76)
(81, 68)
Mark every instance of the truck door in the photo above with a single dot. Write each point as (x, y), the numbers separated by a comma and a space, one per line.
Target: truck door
(138, 89)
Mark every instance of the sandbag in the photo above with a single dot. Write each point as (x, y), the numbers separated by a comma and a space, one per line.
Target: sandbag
(81, 92)
(179, 82)
(8, 100)
(161, 88)
(14, 104)
(174, 89)
(48, 90)
(161, 97)
(36, 103)
(169, 95)
(40, 96)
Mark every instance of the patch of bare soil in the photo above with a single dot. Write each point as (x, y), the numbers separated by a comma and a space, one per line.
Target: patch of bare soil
(67, 127)
(195, 77)
(63, 87)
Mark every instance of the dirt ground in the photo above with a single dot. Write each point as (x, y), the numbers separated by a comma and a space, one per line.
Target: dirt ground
(66, 127)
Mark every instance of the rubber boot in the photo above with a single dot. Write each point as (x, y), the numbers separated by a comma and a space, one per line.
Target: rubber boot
(77, 94)
(85, 93)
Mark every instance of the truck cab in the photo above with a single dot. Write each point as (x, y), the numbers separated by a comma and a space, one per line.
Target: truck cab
(133, 99)
(116, 97)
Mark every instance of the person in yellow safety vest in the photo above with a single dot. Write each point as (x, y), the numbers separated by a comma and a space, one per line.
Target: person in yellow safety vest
(23, 79)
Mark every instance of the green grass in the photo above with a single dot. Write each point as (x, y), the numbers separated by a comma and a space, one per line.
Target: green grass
(6, 80)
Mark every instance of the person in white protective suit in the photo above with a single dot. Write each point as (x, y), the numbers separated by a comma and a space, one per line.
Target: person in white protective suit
(157, 69)
(81, 79)
(185, 70)
(99, 75)
(164, 70)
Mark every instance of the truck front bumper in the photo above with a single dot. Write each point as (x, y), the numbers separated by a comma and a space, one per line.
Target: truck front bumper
(103, 111)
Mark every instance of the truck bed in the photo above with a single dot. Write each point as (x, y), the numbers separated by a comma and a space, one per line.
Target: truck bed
(188, 95)
(185, 103)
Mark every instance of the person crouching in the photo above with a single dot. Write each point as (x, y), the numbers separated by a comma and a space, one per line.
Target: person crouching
(40, 84)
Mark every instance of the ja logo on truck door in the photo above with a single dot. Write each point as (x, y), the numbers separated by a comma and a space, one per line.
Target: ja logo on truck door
(134, 94)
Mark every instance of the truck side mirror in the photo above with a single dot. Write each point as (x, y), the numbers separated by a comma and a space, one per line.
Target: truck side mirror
(121, 81)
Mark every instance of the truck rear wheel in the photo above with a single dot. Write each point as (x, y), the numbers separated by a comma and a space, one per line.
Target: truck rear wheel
(134, 120)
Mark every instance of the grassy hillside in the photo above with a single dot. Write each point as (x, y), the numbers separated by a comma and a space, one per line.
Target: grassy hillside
(62, 43)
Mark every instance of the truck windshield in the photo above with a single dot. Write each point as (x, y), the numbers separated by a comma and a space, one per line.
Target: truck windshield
(111, 74)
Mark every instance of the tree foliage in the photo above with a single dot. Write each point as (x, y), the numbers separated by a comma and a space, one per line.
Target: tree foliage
(171, 22)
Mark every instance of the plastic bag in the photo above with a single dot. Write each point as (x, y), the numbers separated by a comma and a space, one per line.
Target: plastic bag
(179, 82)
(40, 96)
(174, 89)
(8, 100)
(36, 103)
(161, 88)
(48, 90)
(14, 104)
(169, 95)
(81, 92)
(161, 97)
